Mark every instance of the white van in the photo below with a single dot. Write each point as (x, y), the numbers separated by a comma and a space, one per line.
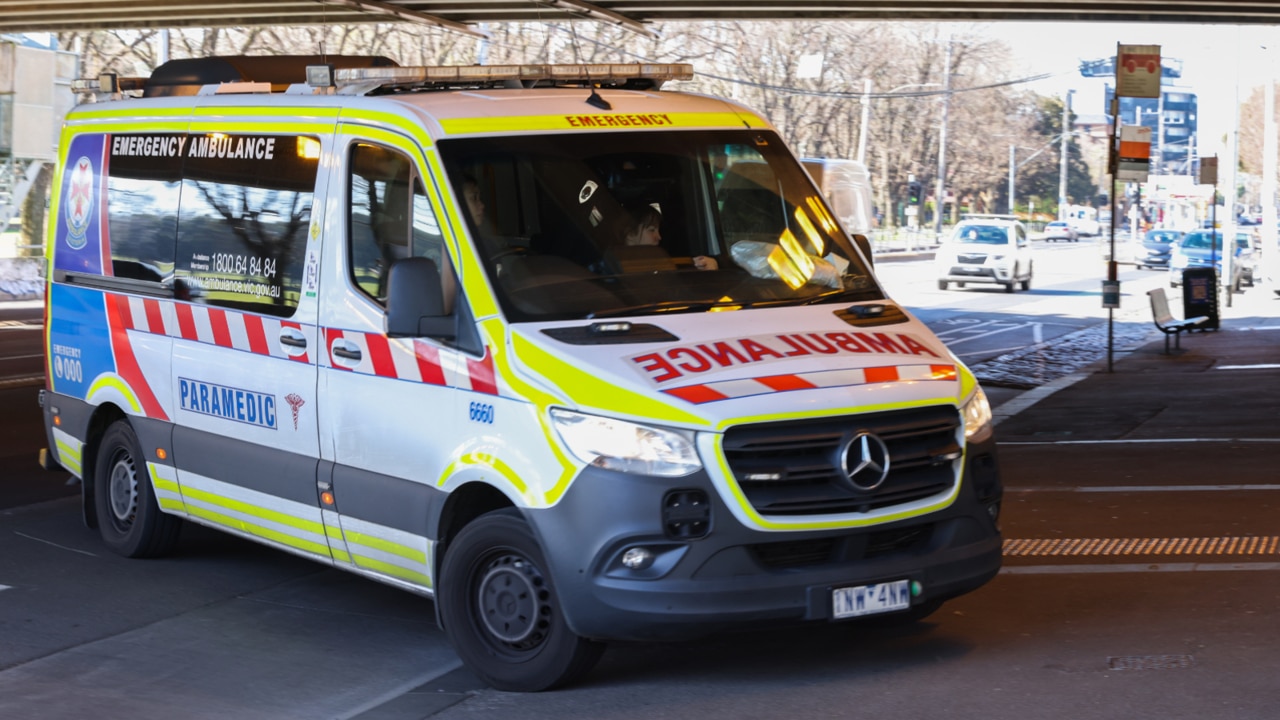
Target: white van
(846, 184)
(389, 321)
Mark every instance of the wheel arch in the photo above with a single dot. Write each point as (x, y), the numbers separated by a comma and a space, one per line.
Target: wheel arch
(104, 416)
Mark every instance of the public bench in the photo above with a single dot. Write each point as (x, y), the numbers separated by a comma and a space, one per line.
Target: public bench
(1167, 323)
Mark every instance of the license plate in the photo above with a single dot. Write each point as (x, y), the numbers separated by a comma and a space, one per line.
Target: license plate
(870, 599)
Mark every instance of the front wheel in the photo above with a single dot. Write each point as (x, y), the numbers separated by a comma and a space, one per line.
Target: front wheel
(942, 284)
(501, 612)
(129, 518)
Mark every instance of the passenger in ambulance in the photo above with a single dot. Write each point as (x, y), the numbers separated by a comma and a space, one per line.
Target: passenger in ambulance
(640, 246)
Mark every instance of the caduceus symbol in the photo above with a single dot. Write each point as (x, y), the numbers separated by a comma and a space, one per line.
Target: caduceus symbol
(295, 403)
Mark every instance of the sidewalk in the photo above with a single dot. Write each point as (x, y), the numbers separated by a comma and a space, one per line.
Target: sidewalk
(1222, 384)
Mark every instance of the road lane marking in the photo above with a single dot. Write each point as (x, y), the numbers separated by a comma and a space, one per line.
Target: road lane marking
(1099, 547)
(46, 542)
(1264, 366)
(1137, 568)
(24, 381)
(5, 587)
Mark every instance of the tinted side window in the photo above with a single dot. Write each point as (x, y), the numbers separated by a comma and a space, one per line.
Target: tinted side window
(246, 212)
(145, 175)
(389, 218)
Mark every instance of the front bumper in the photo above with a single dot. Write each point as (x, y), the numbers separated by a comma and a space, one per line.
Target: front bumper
(977, 273)
(736, 576)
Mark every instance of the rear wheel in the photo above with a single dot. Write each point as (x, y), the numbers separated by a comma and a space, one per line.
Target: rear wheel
(129, 519)
(501, 611)
(942, 284)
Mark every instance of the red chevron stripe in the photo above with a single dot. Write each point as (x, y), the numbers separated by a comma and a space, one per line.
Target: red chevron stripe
(118, 317)
(428, 358)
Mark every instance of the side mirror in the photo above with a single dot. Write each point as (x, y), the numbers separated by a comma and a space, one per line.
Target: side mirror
(415, 301)
(865, 246)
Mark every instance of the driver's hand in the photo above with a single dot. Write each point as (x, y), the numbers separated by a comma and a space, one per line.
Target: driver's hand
(702, 262)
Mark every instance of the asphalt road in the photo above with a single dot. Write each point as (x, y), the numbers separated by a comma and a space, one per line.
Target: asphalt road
(1092, 616)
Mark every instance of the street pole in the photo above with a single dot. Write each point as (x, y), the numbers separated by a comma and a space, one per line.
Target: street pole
(940, 193)
(1062, 161)
(866, 118)
(1013, 159)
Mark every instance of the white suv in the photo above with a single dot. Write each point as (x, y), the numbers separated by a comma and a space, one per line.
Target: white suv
(985, 250)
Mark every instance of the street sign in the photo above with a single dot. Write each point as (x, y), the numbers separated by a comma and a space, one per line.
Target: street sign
(1135, 153)
(1209, 170)
(1138, 71)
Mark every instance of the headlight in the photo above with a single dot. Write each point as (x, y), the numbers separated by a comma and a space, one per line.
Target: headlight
(977, 416)
(626, 447)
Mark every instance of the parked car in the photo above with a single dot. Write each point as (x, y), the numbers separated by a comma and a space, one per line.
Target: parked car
(985, 250)
(1060, 230)
(1201, 248)
(1157, 246)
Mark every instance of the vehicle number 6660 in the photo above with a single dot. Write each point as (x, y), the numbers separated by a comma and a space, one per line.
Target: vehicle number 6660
(482, 413)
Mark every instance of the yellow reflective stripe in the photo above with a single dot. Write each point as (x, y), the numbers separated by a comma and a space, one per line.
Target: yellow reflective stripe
(486, 460)
(160, 483)
(286, 113)
(68, 456)
(589, 389)
(340, 555)
(386, 546)
(366, 118)
(599, 121)
(387, 568)
(494, 333)
(275, 516)
(967, 380)
(171, 504)
(113, 382)
(135, 114)
(223, 125)
(314, 548)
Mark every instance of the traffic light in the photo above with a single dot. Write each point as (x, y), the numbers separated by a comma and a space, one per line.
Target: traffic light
(913, 192)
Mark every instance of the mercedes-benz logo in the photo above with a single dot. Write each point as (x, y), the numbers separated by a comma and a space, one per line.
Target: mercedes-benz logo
(865, 461)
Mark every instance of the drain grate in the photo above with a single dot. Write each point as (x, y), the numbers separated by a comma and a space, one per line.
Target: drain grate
(1150, 662)
(1090, 547)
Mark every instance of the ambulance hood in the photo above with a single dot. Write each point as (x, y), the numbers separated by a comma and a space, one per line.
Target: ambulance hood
(715, 368)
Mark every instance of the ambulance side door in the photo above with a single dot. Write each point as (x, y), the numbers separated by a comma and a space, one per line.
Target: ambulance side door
(244, 366)
(387, 405)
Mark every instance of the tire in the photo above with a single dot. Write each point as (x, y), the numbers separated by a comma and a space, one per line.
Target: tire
(500, 609)
(129, 519)
(942, 284)
(1026, 284)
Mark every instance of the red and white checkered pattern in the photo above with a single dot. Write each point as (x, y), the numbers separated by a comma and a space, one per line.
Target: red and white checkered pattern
(730, 389)
(415, 361)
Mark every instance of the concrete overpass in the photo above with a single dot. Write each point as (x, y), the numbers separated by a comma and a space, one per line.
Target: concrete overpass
(21, 16)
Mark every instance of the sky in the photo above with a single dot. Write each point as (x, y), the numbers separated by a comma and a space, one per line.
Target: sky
(1218, 61)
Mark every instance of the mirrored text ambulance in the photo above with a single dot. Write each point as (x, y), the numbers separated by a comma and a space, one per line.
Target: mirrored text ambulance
(396, 321)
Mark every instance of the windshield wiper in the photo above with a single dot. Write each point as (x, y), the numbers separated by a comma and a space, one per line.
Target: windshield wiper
(665, 306)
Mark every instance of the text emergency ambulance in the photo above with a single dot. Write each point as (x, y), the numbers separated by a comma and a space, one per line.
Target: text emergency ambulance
(389, 321)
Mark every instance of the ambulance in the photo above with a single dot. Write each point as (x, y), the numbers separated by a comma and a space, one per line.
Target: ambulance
(389, 319)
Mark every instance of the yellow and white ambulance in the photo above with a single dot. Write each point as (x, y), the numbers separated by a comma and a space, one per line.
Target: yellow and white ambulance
(395, 319)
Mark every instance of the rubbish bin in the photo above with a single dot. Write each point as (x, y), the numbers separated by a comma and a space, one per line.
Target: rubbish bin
(1200, 295)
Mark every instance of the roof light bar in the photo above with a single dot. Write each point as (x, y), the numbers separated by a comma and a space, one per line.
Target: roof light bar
(473, 75)
(109, 83)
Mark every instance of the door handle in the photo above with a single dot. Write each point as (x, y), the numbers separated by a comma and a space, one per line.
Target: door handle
(293, 338)
(346, 350)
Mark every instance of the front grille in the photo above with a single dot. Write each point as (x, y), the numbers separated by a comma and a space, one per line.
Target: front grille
(972, 258)
(795, 468)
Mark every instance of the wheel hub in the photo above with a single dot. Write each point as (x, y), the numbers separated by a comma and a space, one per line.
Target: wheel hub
(124, 489)
(512, 598)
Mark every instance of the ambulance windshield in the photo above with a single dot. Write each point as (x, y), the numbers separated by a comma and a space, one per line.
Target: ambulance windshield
(607, 224)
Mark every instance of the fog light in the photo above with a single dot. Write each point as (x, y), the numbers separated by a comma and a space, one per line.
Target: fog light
(637, 558)
(994, 511)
